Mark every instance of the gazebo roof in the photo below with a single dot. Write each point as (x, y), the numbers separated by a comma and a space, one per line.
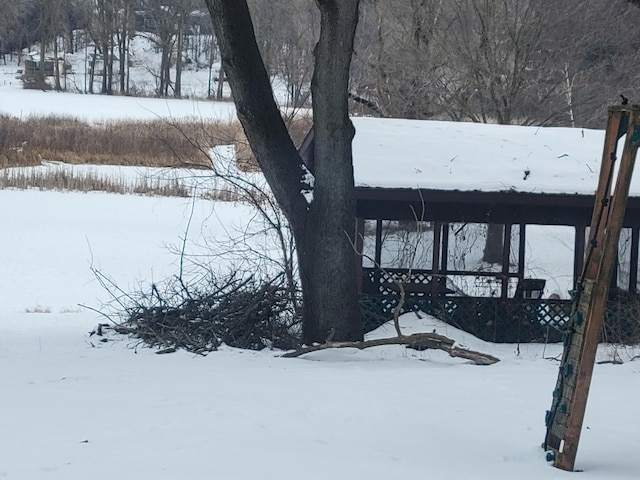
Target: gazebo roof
(470, 172)
(446, 156)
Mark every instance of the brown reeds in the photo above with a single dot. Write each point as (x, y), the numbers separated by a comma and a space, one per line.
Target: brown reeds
(159, 143)
(154, 143)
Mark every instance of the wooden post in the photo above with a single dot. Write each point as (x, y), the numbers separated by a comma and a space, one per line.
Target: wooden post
(578, 254)
(522, 242)
(435, 258)
(378, 256)
(564, 420)
(506, 255)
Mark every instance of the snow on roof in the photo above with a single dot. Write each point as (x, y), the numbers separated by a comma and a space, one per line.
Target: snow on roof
(396, 153)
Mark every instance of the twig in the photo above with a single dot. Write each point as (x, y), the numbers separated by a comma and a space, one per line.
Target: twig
(98, 312)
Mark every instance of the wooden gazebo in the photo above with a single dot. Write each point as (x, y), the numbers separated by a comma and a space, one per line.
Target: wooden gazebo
(405, 172)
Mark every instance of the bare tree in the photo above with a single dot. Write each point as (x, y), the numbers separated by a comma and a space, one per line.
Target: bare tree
(13, 23)
(124, 31)
(594, 57)
(163, 19)
(397, 61)
(286, 33)
(494, 54)
(319, 202)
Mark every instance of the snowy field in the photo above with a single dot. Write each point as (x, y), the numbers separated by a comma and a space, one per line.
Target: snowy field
(75, 408)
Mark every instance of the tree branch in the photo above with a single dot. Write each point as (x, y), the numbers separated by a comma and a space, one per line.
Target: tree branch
(417, 341)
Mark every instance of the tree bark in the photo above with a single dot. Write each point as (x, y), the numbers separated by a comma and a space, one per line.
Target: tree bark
(328, 254)
(322, 227)
(494, 244)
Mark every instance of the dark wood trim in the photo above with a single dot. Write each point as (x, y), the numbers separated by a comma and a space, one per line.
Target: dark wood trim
(444, 257)
(578, 252)
(522, 243)
(475, 206)
(378, 247)
(506, 254)
(435, 262)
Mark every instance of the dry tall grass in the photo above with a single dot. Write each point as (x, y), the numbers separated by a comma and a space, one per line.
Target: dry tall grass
(89, 182)
(153, 143)
(158, 143)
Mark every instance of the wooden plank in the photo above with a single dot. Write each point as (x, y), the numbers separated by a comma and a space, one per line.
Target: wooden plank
(522, 242)
(378, 254)
(578, 256)
(603, 192)
(435, 257)
(506, 254)
(576, 370)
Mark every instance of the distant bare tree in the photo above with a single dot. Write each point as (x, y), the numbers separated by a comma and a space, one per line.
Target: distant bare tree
(505, 61)
(287, 32)
(495, 67)
(124, 32)
(597, 54)
(397, 61)
(163, 20)
(12, 23)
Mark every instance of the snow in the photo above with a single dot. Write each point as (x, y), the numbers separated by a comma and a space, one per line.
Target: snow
(75, 408)
(307, 181)
(99, 108)
(473, 156)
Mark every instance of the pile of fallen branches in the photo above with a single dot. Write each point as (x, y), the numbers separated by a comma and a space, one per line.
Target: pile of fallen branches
(240, 313)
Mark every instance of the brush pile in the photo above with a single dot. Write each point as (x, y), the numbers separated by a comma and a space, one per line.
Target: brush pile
(238, 313)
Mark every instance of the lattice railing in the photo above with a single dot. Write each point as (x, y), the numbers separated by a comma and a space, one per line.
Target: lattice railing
(493, 319)
(508, 320)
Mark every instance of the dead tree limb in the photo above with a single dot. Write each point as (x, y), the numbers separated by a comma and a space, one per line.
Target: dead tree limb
(417, 341)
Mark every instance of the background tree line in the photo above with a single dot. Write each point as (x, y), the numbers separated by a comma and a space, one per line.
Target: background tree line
(504, 61)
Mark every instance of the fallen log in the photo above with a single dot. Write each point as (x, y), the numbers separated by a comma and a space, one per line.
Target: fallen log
(416, 341)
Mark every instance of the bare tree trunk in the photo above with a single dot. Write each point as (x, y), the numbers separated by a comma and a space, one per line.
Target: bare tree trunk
(322, 227)
(177, 91)
(92, 69)
(56, 65)
(45, 18)
(124, 40)
(494, 244)
(220, 87)
(327, 258)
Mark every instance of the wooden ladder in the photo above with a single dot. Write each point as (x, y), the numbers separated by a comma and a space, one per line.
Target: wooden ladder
(564, 419)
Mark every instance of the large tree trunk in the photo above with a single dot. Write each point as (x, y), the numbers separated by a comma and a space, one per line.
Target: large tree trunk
(323, 226)
(328, 255)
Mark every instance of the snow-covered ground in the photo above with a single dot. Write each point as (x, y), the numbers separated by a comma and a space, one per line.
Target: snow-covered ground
(75, 408)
